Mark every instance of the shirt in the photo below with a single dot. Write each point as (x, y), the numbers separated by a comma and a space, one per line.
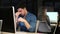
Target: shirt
(31, 18)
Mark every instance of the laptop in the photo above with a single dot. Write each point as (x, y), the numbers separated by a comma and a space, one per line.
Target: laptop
(8, 18)
(53, 16)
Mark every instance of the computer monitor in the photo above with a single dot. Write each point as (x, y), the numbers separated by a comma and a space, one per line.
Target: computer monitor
(7, 16)
(53, 16)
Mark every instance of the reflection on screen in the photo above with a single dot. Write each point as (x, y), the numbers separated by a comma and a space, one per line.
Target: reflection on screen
(53, 16)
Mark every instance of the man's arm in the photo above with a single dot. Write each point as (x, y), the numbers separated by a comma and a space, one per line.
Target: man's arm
(25, 22)
(16, 15)
(48, 20)
(32, 23)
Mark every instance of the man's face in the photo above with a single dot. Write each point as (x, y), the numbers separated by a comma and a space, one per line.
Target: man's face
(45, 11)
(22, 11)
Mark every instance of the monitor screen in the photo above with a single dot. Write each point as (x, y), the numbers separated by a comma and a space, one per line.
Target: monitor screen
(53, 16)
(6, 14)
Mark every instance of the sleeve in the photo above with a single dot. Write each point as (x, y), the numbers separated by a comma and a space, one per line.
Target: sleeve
(32, 23)
(48, 20)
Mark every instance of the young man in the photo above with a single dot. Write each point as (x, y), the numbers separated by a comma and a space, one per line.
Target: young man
(24, 19)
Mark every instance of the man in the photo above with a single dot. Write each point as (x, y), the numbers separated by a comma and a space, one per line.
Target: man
(24, 19)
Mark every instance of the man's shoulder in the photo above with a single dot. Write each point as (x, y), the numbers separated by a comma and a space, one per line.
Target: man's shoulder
(31, 14)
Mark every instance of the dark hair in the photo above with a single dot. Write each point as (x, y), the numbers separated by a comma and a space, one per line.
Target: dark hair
(43, 13)
(21, 5)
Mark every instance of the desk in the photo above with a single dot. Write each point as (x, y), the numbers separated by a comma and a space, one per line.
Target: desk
(24, 33)
(19, 33)
(6, 33)
(53, 24)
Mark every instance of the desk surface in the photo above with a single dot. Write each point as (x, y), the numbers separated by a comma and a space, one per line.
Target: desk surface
(19, 33)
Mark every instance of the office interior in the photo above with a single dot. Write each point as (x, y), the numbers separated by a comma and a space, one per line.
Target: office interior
(33, 7)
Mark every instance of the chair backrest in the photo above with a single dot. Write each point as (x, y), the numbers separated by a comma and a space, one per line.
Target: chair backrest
(0, 25)
(42, 27)
(37, 24)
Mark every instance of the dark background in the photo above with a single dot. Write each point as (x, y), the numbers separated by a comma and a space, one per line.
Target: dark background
(31, 4)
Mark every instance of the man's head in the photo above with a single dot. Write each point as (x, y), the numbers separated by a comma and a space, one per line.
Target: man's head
(22, 8)
(44, 10)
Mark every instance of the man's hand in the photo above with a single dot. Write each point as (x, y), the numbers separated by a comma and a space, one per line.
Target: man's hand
(21, 19)
(17, 14)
